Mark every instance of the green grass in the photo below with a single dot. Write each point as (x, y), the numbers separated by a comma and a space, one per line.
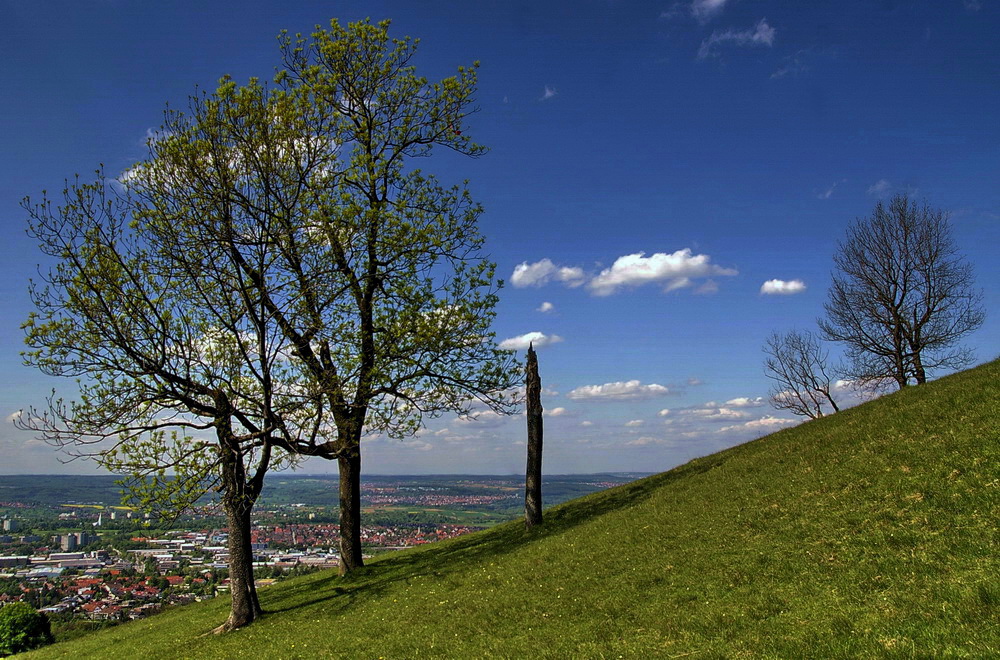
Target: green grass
(871, 533)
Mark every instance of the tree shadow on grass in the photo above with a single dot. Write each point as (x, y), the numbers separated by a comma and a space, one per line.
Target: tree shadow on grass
(340, 593)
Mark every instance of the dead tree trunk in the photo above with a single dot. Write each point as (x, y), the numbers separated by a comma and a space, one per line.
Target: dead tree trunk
(533, 478)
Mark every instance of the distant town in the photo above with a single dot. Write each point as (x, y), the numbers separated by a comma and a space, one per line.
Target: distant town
(90, 561)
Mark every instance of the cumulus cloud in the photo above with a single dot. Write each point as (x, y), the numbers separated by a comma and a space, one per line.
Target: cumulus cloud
(644, 441)
(761, 34)
(545, 307)
(634, 422)
(782, 287)
(586, 423)
(672, 270)
(664, 412)
(550, 92)
(764, 423)
(543, 272)
(419, 445)
(746, 402)
(482, 418)
(694, 382)
(705, 10)
(521, 342)
(619, 391)
(722, 414)
(555, 412)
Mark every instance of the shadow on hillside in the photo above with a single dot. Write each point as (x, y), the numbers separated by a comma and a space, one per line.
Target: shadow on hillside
(458, 555)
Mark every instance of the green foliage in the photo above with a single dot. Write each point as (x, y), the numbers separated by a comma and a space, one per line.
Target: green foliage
(868, 533)
(22, 629)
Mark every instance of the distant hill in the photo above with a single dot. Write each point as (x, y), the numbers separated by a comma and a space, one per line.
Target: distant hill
(282, 488)
(55, 489)
(869, 533)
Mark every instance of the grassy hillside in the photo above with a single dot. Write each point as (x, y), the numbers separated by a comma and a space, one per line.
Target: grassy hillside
(873, 532)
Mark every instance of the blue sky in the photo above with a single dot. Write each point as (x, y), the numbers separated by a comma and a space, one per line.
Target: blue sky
(652, 165)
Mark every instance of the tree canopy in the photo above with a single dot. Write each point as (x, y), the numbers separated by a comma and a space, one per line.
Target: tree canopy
(279, 269)
(902, 296)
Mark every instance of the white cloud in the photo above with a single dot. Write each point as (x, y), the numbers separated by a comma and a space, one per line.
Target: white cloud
(556, 412)
(664, 412)
(644, 441)
(521, 343)
(549, 93)
(419, 445)
(705, 10)
(679, 283)
(634, 422)
(619, 391)
(718, 414)
(694, 382)
(676, 10)
(972, 5)
(826, 194)
(782, 287)
(793, 65)
(761, 34)
(586, 423)
(544, 271)
(545, 307)
(764, 423)
(746, 402)
(879, 188)
(673, 270)
(709, 287)
(482, 419)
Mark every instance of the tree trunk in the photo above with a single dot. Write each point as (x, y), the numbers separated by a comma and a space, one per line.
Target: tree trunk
(533, 477)
(245, 606)
(238, 504)
(918, 369)
(350, 509)
(247, 540)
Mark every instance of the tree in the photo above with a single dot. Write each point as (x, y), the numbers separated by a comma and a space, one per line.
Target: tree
(375, 275)
(161, 354)
(798, 366)
(902, 296)
(22, 628)
(533, 476)
(409, 335)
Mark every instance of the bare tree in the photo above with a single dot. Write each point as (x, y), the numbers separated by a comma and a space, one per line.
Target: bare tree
(902, 296)
(798, 365)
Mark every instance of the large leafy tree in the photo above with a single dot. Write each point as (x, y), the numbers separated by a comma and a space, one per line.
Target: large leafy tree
(373, 273)
(409, 333)
(165, 357)
(902, 296)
